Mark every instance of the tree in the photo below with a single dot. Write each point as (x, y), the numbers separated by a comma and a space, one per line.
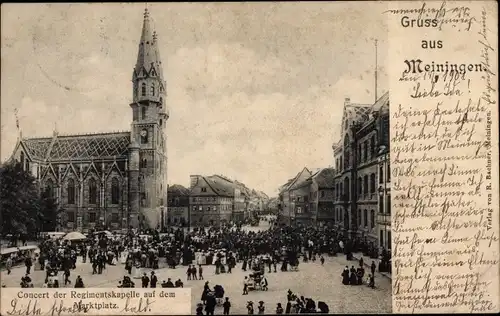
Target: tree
(49, 215)
(19, 200)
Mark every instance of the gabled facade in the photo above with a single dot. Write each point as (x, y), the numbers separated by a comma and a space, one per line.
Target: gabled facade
(110, 180)
(289, 206)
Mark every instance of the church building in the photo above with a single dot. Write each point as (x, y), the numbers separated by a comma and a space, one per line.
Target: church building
(110, 180)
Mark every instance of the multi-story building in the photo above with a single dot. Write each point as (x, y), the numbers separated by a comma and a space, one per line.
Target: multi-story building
(359, 155)
(211, 201)
(321, 196)
(288, 207)
(178, 206)
(216, 200)
(110, 180)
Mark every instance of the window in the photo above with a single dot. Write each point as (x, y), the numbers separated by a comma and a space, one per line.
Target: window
(388, 202)
(114, 218)
(365, 217)
(144, 163)
(143, 89)
(372, 183)
(347, 189)
(49, 188)
(115, 191)
(382, 238)
(365, 184)
(92, 217)
(161, 99)
(365, 151)
(359, 218)
(92, 192)
(381, 174)
(203, 189)
(71, 191)
(388, 173)
(144, 112)
(71, 216)
(360, 186)
(161, 122)
(22, 160)
(322, 194)
(200, 208)
(373, 146)
(152, 90)
(389, 240)
(194, 208)
(299, 210)
(372, 218)
(381, 205)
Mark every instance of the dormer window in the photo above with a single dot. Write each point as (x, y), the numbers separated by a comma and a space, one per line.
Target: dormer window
(203, 189)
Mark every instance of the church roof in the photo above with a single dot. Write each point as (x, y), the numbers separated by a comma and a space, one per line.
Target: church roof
(77, 147)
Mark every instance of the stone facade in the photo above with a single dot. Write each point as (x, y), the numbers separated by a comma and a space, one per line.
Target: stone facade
(110, 180)
(358, 159)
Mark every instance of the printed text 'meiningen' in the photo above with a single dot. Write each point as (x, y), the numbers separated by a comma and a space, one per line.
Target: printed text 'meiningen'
(418, 66)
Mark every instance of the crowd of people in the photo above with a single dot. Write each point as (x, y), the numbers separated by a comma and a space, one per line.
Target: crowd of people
(259, 252)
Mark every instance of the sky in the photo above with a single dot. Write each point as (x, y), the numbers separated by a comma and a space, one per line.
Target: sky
(255, 90)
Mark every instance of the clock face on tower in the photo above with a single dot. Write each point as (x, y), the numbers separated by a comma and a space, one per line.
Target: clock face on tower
(144, 136)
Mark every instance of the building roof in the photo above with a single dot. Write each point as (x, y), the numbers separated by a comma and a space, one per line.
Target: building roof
(220, 185)
(75, 147)
(382, 103)
(325, 178)
(178, 189)
(357, 112)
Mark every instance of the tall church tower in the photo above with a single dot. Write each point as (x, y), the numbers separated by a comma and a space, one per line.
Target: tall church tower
(148, 152)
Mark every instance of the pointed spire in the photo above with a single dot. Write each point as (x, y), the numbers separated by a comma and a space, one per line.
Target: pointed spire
(146, 54)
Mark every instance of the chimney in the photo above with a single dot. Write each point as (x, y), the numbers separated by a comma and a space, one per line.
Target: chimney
(194, 180)
(347, 101)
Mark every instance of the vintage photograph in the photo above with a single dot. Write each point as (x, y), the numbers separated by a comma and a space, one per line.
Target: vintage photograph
(237, 149)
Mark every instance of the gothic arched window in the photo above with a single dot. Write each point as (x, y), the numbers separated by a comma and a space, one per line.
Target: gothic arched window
(143, 89)
(71, 191)
(115, 191)
(22, 160)
(49, 188)
(92, 191)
